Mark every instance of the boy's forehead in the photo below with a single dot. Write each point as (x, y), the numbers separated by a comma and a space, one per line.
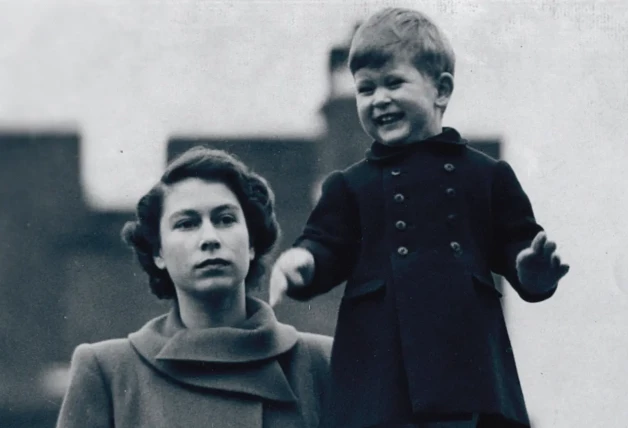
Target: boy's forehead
(385, 64)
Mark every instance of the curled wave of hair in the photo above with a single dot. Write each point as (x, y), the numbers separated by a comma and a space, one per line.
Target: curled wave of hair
(254, 195)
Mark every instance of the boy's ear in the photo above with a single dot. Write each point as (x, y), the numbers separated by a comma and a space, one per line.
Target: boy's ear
(445, 87)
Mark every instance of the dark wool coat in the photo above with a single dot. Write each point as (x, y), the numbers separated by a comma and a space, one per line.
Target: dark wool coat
(416, 233)
(263, 374)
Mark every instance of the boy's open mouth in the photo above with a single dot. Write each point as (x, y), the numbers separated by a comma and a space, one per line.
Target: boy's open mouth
(388, 118)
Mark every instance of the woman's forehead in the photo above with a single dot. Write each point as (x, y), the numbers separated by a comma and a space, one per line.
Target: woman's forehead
(195, 194)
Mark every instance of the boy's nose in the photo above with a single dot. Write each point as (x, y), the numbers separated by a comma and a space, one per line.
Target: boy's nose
(380, 98)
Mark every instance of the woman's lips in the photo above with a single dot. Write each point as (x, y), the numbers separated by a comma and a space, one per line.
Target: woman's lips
(212, 263)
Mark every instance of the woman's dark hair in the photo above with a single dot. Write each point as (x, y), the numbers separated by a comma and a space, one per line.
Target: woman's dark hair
(253, 192)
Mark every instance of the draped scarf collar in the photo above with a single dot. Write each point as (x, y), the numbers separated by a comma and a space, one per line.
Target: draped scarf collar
(241, 359)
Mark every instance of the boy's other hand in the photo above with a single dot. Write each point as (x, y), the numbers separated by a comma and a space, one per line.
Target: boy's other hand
(294, 268)
(539, 267)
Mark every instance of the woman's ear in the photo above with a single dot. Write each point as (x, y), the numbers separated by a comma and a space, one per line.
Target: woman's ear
(252, 253)
(445, 87)
(159, 260)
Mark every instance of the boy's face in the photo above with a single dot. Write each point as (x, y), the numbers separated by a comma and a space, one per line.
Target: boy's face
(397, 104)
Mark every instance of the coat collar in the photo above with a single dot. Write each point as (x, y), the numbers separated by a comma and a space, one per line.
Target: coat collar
(446, 140)
(233, 359)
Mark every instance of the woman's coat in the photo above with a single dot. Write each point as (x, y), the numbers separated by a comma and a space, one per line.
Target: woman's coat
(262, 374)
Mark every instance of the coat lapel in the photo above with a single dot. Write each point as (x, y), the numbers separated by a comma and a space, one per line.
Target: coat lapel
(237, 360)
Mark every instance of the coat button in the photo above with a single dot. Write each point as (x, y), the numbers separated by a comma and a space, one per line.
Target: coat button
(450, 191)
(399, 197)
(402, 251)
(400, 225)
(395, 172)
(451, 218)
(456, 247)
(449, 167)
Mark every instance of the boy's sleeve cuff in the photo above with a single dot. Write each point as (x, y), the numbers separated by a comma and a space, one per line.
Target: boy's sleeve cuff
(531, 295)
(321, 283)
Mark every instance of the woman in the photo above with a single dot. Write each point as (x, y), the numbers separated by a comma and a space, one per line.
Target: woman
(219, 358)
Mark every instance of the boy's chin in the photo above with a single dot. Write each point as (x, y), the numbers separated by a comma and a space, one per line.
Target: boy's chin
(394, 142)
(393, 138)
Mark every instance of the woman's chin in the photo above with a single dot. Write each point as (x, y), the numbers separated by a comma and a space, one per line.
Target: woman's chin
(215, 287)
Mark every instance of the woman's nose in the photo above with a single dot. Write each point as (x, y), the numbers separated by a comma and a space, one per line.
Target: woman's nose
(209, 239)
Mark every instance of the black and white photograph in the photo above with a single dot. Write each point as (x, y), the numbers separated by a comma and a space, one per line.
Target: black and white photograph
(313, 214)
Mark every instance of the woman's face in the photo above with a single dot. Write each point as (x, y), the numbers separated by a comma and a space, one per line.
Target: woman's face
(205, 243)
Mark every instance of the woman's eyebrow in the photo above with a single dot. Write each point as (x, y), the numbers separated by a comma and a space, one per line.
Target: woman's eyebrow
(191, 212)
(182, 213)
(225, 207)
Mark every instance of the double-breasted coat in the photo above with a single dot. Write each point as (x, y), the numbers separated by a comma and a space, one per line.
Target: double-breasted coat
(262, 374)
(416, 232)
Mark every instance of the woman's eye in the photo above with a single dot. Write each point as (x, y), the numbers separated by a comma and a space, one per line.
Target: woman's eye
(184, 224)
(227, 220)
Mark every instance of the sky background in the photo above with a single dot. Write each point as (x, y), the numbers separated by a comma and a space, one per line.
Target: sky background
(546, 77)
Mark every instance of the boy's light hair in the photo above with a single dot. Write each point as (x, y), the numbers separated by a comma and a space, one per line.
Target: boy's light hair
(392, 32)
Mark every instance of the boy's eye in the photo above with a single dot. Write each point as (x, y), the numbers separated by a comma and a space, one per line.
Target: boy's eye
(393, 84)
(365, 90)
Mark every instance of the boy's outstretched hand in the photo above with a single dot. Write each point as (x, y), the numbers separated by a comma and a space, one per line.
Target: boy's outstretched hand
(539, 267)
(294, 268)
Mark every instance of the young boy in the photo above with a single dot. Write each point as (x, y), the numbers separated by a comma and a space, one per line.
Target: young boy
(416, 229)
